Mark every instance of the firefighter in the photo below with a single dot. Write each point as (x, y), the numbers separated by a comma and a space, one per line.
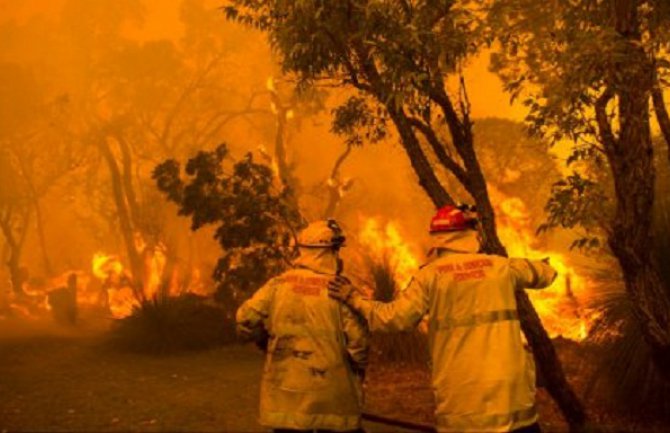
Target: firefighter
(317, 348)
(483, 374)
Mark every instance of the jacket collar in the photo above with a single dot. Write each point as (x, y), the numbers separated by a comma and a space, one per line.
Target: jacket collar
(321, 260)
(463, 242)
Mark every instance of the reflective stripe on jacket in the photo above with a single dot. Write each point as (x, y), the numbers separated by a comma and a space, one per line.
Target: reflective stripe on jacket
(483, 376)
(316, 345)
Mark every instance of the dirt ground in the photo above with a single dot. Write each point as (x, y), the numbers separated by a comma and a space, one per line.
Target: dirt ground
(55, 379)
(74, 383)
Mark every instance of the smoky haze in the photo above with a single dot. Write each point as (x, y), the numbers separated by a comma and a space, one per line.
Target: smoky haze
(89, 87)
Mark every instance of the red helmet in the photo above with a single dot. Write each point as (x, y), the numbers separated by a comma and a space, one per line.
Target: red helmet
(454, 218)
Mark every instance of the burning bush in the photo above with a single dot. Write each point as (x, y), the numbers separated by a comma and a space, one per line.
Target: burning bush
(165, 325)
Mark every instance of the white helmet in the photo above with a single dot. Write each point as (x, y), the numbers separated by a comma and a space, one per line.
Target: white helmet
(321, 234)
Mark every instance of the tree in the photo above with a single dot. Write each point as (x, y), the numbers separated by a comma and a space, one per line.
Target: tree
(399, 57)
(15, 213)
(256, 221)
(29, 117)
(146, 101)
(587, 70)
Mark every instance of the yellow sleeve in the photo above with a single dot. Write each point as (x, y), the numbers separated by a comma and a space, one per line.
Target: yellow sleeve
(531, 274)
(403, 313)
(357, 338)
(254, 311)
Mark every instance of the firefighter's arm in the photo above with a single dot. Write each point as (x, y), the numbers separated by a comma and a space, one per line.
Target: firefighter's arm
(403, 313)
(252, 313)
(532, 274)
(357, 339)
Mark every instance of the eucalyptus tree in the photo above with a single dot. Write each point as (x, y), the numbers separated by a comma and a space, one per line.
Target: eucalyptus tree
(402, 61)
(587, 71)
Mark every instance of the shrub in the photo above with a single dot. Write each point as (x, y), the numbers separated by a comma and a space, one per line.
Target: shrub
(168, 325)
(624, 376)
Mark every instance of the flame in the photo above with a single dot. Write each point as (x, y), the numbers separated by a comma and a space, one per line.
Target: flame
(154, 266)
(158, 279)
(120, 298)
(270, 84)
(560, 306)
(104, 266)
(384, 241)
(108, 285)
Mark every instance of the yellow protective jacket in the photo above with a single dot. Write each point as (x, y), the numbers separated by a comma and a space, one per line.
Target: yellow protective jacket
(483, 375)
(317, 349)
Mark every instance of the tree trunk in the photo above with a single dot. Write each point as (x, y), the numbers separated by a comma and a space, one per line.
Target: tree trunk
(41, 235)
(280, 137)
(128, 189)
(427, 178)
(632, 164)
(16, 276)
(14, 243)
(136, 263)
(631, 240)
(334, 184)
(661, 114)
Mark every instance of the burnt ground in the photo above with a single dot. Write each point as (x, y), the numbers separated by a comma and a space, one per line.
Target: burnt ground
(59, 380)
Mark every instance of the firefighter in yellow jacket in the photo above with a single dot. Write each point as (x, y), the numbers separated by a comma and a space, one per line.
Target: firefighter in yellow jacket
(482, 371)
(317, 348)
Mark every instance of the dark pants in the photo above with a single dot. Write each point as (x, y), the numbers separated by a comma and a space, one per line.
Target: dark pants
(533, 428)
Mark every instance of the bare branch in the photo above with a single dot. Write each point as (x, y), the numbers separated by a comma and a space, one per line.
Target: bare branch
(186, 93)
(340, 160)
(456, 128)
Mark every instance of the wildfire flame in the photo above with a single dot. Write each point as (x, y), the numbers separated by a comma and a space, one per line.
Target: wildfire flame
(120, 298)
(103, 266)
(384, 241)
(559, 305)
(157, 278)
(108, 286)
